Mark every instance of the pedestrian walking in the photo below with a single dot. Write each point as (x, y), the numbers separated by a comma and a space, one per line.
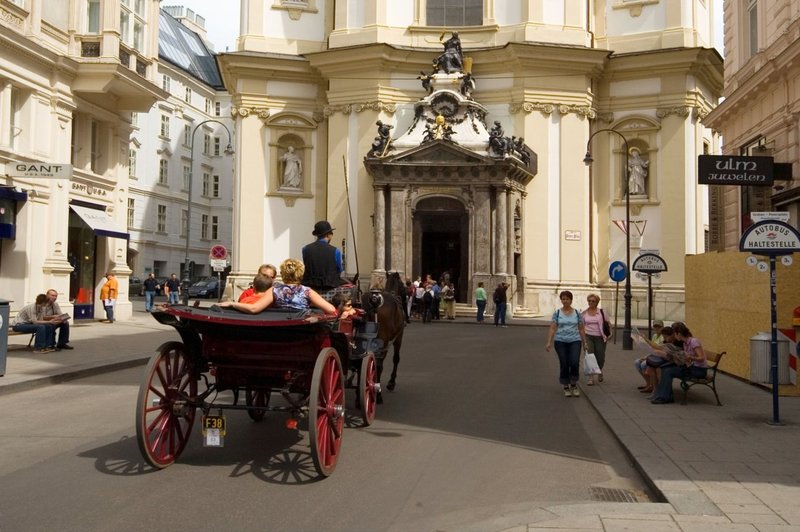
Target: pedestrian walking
(480, 301)
(173, 289)
(449, 298)
(566, 328)
(597, 333)
(108, 294)
(500, 299)
(150, 288)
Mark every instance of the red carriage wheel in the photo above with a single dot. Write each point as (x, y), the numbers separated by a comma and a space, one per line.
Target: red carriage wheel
(259, 399)
(164, 411)
(326, 411)
(368, 388)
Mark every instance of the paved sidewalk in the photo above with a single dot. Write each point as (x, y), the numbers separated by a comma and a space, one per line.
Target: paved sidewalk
(717, 468)
(99, 348)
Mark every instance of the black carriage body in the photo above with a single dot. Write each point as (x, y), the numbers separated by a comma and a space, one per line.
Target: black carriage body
(268, 350)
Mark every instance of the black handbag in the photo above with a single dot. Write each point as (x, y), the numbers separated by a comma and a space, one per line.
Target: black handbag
(606, 325)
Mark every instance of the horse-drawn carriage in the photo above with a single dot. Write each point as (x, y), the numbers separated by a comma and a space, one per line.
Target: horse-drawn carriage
(300, 355)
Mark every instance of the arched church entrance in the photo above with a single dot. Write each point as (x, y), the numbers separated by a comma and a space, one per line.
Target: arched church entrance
(441, 242)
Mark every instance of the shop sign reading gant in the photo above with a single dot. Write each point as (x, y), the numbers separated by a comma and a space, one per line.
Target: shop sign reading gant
(735, 170)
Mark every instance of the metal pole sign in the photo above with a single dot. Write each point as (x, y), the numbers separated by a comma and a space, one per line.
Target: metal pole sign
(650, 264)
(771, 238)
(617, 271)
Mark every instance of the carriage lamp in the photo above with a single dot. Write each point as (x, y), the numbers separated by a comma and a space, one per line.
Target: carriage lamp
(627, 341)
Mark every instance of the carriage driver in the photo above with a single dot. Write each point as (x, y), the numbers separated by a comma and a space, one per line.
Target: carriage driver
(323, 261)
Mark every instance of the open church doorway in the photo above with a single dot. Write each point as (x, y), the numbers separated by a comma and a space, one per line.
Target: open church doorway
(441, 242)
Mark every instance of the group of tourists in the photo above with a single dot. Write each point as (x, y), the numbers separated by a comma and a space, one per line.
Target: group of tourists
(301, 281)
(674, 351)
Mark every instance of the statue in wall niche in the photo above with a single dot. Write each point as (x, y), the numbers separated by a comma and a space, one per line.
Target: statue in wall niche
(292, 169)
(452, 60)
(637, 173)
(383, 141)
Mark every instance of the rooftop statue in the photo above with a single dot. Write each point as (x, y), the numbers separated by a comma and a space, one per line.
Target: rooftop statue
(452, 60)
(383, 141)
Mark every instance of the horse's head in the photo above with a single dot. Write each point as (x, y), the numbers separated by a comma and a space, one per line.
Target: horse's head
(373, 302)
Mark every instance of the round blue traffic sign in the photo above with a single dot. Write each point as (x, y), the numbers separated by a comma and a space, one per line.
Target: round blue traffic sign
(617, 271)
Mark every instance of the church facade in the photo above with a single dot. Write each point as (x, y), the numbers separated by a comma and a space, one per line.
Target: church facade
(453, 140)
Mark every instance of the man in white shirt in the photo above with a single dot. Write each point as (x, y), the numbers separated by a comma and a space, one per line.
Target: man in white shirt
(59, 320)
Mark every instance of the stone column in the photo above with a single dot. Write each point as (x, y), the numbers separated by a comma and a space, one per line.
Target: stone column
(380, 230)
(399, 228)
(501, 232)
(510, 205)
(483, 237)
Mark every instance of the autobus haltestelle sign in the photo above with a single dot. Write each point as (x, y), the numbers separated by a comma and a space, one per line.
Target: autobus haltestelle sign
(770, 237)
(735, 170)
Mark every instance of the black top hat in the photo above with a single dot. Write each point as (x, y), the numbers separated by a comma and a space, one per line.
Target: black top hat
(322, 228)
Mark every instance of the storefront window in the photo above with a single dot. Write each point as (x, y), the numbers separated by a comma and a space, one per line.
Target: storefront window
(81, 252)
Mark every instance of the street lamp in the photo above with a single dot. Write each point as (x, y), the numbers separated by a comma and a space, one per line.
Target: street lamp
(627, 341)
(228, 151)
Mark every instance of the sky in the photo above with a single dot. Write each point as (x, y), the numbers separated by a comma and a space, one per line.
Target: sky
(222, 20)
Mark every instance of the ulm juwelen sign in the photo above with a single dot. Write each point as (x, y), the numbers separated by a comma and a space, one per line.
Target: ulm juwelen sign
(735, 170)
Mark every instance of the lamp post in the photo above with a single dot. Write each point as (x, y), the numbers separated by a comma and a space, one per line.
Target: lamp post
(228, 151)
(627, 341)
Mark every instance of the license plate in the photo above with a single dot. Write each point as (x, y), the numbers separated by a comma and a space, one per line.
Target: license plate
(213, 431)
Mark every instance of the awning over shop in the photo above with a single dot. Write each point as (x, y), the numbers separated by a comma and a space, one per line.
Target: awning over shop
(9, 198)
(10, 193)
(100, 222)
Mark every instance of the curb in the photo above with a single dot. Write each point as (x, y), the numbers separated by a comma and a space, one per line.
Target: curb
(79, 372)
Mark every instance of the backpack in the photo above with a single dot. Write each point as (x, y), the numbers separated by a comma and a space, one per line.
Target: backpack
(428, 296)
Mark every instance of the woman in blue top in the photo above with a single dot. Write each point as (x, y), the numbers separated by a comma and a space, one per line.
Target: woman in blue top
(567, 331)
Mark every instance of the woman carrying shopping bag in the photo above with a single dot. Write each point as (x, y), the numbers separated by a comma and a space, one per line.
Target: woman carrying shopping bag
(567, 331)
(598, 331)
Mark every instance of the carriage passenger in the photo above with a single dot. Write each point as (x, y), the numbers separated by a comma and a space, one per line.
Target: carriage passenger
(261, 285)
(289, 294)
(267, 270)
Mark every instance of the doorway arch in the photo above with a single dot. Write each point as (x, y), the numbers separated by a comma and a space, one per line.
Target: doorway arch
(441, 241)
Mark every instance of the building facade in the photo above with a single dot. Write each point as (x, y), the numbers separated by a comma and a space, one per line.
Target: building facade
(181, 144)
(71, 74)
(759, 116)
(311, 79)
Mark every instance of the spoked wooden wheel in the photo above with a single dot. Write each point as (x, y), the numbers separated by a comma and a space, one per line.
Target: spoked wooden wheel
(257, 398)
(368, 388)
(164, 412)
(326, 411)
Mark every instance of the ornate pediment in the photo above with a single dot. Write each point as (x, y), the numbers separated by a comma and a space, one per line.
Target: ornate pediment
(439, 152)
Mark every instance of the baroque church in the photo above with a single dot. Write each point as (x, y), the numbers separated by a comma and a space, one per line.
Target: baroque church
(453, 140)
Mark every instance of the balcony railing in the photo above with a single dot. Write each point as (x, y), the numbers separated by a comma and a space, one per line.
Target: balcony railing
(91, 47)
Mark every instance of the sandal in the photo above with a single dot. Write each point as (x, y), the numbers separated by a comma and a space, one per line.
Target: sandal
(646, 390)
(590, 381)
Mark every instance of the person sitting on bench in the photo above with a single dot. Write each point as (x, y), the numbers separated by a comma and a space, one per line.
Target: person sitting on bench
(59, 320)
(31, 320)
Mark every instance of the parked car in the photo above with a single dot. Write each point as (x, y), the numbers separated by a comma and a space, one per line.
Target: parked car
(134, 286)
(208, 288)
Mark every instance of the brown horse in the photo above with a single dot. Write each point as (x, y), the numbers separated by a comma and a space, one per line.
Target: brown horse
(387, 306)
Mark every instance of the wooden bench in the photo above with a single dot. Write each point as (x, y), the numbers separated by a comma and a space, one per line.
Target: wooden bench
(12, 332)
(710, 381)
